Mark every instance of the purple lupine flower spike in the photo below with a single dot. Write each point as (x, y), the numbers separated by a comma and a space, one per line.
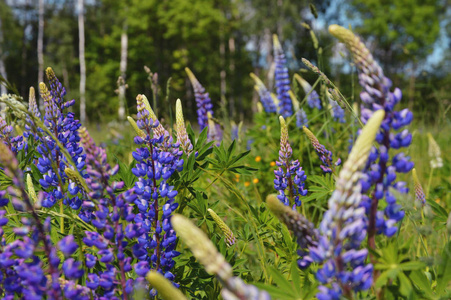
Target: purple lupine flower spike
(158, 158)
(265, 96)
(344, 224)
(282, 80)
(324, 155)
(380, 174)
(313, 99)
(204, 105)
(289, 175)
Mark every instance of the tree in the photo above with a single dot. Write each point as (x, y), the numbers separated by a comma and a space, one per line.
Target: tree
(81, 47)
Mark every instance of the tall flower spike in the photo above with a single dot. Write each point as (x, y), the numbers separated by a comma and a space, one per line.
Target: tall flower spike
(229, 237)
(142, 104)
(343, 227)
(214, 263)
(435, 154)
(203, 101)
(182, 135)
(324, 155)
(313, 99)
(289, 175)
(380, 173)
(282, 79)
(419, 193)
(265, 95)
(165, 288)
(301, 116)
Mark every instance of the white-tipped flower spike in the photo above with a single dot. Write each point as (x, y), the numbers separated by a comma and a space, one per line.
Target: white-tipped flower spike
(295, 101)
(182, 135)
(212, 130)
(343, 227)
(285, 148)
(32, 105)
(202, 248)
(265, 96)
(419, 193)
(75, 177)
(435, 154)
(31, 191)
(214, 263)
(165, 288)
(138, 131)
(274, 99)
(159, 129)
(229, 237)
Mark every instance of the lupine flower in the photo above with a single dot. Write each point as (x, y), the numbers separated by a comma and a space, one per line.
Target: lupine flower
(289, 175)
(158, 159)
(304, 231)
(435, 154)
(64, 126)
(301, 116)
(324, 155)
(14, 143)
(23, 271)
(282, 80)
(204, 105)
(337, 112)
(313, 99)
(165, 288)
(214, 263)
(380, 171)
(214, 130)
(265, 96)
(419, 194)
(343, 227)
(112, 216)
(182, 135)
(228, 234)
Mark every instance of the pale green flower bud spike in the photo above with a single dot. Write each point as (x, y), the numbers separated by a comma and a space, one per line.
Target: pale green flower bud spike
(419, 193)
(229, 237)
(165, 288)
(182, 135)
(295, 101)
(202, 248)
(138, 131)
(31, 191)
(350, 173)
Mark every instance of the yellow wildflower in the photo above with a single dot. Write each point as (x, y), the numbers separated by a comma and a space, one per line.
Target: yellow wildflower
(258, 158)
(247, 183)
(255, 180)
(272, 164)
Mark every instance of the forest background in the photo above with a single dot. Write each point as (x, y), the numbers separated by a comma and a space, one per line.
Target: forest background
(221, 41)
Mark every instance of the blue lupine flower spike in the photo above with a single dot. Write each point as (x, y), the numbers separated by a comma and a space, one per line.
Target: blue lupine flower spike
(324, 155)
(282, 80)
(344, 224)
(290, 174)
(380, 173)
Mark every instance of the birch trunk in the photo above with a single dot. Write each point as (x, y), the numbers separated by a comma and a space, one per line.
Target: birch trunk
(81, 48)
(123, 69)
(2, 64)
(41, 48)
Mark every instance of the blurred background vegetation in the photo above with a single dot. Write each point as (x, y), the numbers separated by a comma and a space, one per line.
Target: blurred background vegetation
(222, 41)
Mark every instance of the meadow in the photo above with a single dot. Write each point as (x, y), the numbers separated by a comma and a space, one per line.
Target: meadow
(318, 196)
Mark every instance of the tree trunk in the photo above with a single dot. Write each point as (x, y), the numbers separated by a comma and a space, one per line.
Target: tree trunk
(123, 69)
(81, 47)
(232, 50)
(41, 48)
(2, 64)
